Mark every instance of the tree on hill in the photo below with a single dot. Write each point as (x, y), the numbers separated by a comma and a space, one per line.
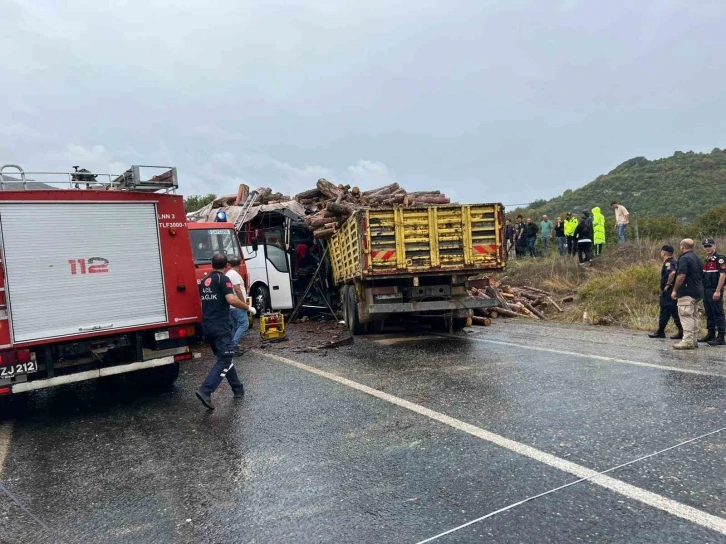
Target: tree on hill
(684, 185)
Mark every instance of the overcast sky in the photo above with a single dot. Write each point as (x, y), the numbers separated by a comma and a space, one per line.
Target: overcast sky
(491, 101)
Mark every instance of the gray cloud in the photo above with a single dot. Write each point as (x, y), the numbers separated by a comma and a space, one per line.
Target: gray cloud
(489, 101)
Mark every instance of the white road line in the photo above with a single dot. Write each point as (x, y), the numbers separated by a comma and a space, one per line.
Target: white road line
(6, 432)
(649, 498)
(586, 355)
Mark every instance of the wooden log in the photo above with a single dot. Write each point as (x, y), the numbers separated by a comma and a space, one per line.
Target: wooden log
(340, 208)
(493, 313)
(311, 193)
(549, 299)
(328, 189)
(494, 293)
(397, 199)
(534, 310)
(568, 298)
(387, 189)
(508, 313)
(324, 233)
(482, 321)
(355, 191)
(424, 193)
(243, 192)
(412, 201)
(508, 295)
(318, 222)
(306, 201)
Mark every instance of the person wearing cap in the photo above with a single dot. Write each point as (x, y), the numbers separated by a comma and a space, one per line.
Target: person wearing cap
(668, 306)
(688, 290)
(714, 276)
(570, 226)
(584, 238)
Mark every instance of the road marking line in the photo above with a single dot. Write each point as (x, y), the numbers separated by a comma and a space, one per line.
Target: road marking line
(586, 355)
(6, 432)
(649, 498)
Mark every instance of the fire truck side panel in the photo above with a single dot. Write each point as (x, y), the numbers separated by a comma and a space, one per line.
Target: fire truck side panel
(58, 283)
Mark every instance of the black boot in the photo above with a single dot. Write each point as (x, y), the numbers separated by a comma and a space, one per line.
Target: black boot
(678, 335)
(657, 334)
(718, 341)
(710, 336)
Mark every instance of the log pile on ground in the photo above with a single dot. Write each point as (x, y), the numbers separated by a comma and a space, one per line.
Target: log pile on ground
(331, 205)
(527, 302)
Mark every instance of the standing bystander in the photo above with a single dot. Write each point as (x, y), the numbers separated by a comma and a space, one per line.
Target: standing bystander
(546, 233)
(560, 235)
(622, 218)
(688, 290)
(714, 276)
(584, 238)
(530, 232)
(668, 306)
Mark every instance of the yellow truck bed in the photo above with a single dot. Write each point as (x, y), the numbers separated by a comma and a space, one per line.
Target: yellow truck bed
(377, 243)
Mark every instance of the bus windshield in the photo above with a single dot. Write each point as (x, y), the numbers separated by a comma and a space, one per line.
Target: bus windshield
(207, 242)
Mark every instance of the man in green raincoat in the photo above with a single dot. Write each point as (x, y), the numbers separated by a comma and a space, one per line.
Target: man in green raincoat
(598, 230)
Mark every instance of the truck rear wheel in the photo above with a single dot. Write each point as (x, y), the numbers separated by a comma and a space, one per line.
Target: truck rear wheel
(352, 319)
(376, 327)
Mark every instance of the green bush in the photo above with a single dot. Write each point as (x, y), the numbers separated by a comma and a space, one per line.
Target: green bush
(629, 295)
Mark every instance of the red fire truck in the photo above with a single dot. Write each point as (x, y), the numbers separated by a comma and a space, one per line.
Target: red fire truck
(210, 238)
(97, 278)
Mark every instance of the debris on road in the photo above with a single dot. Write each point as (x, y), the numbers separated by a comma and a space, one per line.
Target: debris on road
(514, 301)
(304, 337)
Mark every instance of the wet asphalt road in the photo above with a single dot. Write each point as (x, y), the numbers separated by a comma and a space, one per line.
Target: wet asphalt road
(306, 459)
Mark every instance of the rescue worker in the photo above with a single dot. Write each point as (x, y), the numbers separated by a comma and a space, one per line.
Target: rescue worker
(530, 232)
(714, 276)
(598, 230)
(570, 226)
(688, 290)
(217, 296)
(584, 238)
(668, 306)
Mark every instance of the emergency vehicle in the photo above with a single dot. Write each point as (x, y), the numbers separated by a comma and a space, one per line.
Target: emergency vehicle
(97, 277)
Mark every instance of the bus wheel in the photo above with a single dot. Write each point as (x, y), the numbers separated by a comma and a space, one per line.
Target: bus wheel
(261, 299)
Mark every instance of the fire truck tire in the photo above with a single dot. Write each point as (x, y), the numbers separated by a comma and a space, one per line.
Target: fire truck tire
(261, 299)
(353, 320)
(165, 376)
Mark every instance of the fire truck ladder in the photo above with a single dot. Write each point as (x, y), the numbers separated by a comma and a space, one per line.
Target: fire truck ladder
(248, 203)
(131, 180)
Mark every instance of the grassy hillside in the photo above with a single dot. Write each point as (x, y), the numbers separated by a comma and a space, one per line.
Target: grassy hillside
(684, 186)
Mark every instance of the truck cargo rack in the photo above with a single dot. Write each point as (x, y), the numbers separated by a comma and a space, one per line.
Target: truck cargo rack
(131, 180)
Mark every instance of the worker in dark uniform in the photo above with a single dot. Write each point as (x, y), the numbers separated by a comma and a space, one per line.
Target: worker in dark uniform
(714, 275)
(217, 296)
(668, 306)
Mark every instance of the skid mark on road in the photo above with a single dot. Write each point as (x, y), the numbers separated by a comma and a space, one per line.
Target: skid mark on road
(586, 355)
(649, 498)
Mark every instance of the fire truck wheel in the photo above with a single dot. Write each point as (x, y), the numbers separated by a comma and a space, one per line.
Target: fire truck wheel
(261, 299)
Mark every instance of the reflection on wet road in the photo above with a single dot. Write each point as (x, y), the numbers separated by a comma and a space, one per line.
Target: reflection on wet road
(398, 438)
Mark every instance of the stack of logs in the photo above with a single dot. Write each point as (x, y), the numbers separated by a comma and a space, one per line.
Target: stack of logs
(513, 302)
(331, 205)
